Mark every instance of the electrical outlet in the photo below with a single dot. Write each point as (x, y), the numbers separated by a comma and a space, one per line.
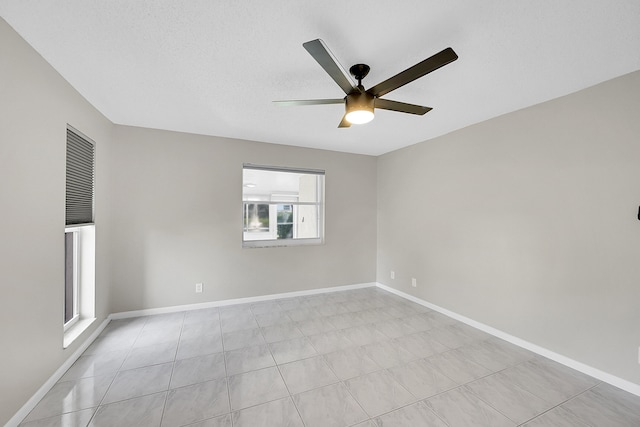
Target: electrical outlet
(393, 274)
(414, 282)
(198, 288)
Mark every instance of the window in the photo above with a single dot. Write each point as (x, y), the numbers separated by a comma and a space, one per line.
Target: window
(285, 221)
(79, 236)
(282, 206)
(70, 278)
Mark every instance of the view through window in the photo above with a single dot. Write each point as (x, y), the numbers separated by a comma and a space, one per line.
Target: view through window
(282, 206)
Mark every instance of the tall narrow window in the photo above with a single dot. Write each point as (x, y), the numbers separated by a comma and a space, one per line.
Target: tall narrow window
(79, 241)
(282, 206)
(70, 277)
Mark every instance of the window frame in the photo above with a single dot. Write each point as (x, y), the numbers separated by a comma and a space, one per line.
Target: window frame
(84, 232)
(75, 279)
(273, 206)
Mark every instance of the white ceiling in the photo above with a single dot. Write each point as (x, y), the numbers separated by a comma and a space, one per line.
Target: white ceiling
(214, 66)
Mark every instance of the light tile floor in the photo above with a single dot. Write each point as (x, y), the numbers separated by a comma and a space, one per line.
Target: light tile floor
(361, 358)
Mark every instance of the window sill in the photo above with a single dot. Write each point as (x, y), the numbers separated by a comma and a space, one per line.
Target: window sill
(281, 243)
(74, 332)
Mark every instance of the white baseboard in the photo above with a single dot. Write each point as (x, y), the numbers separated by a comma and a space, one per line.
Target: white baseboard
(222, 303)
(571, 363)
(35, 399)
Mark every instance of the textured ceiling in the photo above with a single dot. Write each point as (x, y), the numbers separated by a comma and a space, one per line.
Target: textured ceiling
(214, 66)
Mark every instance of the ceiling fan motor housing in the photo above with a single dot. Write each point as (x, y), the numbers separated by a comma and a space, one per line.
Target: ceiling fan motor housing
(360, 101)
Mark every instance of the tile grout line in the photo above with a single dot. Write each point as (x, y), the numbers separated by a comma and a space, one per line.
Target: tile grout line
(286, 386)
(226, 372)
(563, 402)
(173, 367)
(175, 358)
(116, 374)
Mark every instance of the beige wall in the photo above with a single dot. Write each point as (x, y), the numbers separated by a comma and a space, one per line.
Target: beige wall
(177, 216)
(528, 223)
(35, 106)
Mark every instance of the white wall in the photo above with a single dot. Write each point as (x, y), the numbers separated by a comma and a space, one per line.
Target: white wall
(177, 212)
(35, 106)
(528, 223)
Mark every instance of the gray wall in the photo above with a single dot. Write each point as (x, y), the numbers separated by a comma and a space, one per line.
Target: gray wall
(177, 220)
(528, 223)
(35, 106)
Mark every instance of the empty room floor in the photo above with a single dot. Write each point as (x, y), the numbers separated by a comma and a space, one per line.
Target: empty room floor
(360, 358)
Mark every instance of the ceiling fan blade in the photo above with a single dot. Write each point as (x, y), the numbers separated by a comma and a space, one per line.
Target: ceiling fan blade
(328, 61)
(297, 102)
(344, 123)
(402, 107)
(430, 64)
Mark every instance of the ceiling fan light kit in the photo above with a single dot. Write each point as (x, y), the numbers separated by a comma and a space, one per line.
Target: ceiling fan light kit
(359, 108)
(360, 103)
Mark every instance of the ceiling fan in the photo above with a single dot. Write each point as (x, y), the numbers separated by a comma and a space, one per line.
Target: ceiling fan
(360, 103)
